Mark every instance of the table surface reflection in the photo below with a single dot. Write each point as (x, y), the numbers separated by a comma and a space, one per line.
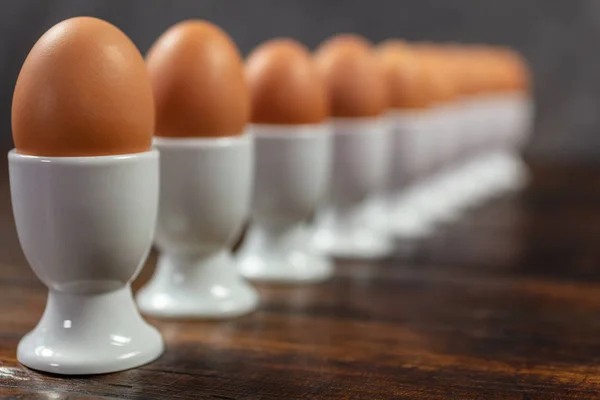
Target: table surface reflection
(502, 304)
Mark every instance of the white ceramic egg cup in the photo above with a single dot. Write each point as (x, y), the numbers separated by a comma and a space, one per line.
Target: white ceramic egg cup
(465, 186)
(292, 174)
(496, 132)
(516, 110)
(205, 194)
(438, 195)
(496, 166)
(359, 170)
(476, 181)
(457, 180)
(380, 204)
(412, 146)
(85, 225)
(480, 125)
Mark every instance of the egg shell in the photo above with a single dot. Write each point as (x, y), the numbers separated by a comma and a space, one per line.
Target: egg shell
(475, 78)
(197, 76)
(83, 90)
(404, 75)
(285, 85)
(439, 84)
(517, 71)
(354, 78)
(455, 55)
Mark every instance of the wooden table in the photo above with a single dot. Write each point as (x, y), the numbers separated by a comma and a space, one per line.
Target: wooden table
(503, 304)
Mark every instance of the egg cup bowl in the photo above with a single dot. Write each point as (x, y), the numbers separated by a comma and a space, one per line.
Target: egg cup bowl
(85, 225)
(205, 192)
(292, 174)
(359, 170)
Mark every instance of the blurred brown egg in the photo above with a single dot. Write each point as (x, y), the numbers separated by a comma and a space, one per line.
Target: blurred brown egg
(351, 39)
(498, 71)
(439, 84)
(83, 91)
(285, 85)
(404, 75)
(354, 78)
(458, 58)
(476, 67)
(518, 74)
(197, 75)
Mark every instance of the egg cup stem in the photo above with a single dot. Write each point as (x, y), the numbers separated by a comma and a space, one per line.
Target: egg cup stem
(197, 285)
(282, 255)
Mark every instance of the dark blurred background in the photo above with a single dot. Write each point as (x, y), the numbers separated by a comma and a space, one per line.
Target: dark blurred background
(560, 38)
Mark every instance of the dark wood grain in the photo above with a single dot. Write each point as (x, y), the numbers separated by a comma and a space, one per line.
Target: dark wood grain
(504, 304)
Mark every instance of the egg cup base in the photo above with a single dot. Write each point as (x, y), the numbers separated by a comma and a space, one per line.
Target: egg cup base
(287, 260)
(83, 334)
(435, 203)
(197, 287)
(351, 239)
(408, 224)
(294, 268)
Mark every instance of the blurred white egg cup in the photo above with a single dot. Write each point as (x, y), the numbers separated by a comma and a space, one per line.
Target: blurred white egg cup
(378, 206)
(497, 125)
(466, 153)
(438, 198)
(478, 126)
(205, 195)
(359, 170)
(85, 225)
(517, 109)
(432, 196)
(292, 174)
(398, 215)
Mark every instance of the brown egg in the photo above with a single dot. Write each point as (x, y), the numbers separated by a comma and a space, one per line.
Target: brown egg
(351, 39)
(285, 85)
(476, 66)
(498, 70)
(355, 80)
(517, 73)
(197, 75)
(439, 84)
(83, 91)
(404, 75)
(458, 63)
